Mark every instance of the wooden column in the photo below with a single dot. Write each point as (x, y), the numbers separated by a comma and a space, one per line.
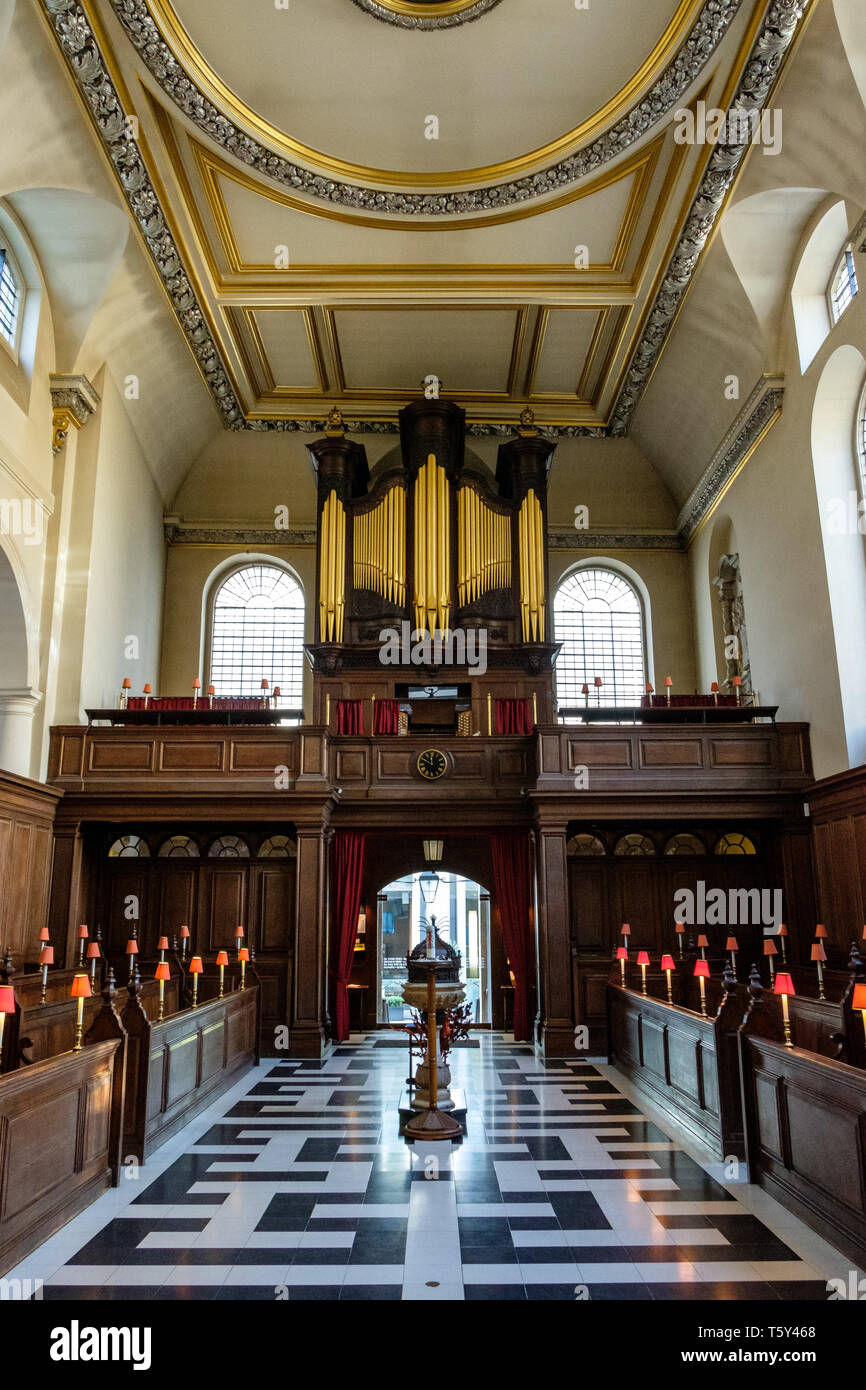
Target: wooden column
(67, 906)
(308, 1032)
(555, 1029)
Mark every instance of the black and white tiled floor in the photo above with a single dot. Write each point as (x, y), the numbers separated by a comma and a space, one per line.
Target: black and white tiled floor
(296, 1185)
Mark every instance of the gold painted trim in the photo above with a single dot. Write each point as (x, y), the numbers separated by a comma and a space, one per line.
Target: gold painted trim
(733, 478)
(197, 67)
(447, 7)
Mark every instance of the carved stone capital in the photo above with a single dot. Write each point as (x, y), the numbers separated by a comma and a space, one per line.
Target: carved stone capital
(74, 400)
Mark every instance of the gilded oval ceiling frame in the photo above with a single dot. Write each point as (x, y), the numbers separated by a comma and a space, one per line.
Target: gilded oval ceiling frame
(707, 32)
(426, 15)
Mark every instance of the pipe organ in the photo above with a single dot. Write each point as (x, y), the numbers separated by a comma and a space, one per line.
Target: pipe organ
(435, 542)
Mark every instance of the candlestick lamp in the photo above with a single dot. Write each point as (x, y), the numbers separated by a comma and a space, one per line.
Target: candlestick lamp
(222, 961)
(782, 932)
(819, 955)
(93, 955)
(785, 987)
(702, 973)
(7, 1006)
(622, 957)
(184, 938)
(163, 973)
(46, 958)
(732, 946)
(703, 945)
(83, 934)
(196, 687)
(858, 1002)
(195, 969)
(668, 967)
(679, 928)
(80, 990)
(770, 951)
(243, 957)
(643, 961)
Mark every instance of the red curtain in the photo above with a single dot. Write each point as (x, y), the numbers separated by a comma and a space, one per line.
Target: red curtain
(348, 871)
(387, 719)
(350, 717)
(159, 702)
(512, 716)
(512, 888)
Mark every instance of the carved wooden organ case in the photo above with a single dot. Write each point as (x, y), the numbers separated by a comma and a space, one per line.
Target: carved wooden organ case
(432, 541)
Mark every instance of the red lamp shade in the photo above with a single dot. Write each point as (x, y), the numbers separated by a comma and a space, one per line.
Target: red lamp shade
(243, 954)
(649, 689)
(83, 933)
(738, 680)
(622, 953)
(162, 943)
(211, 690)
(669, 681)
(702, 967)
(81, 987)
(195, 966)
(643, 958)
(731, 944)
(46, 955)
(668, 963)
(163, 971)
(222, 958)
(277, 692)
(584, 690)
(597, 682)
(858, 999)
(196, 685)
(93, 951)
(43, 935)
(7, 999)
(184, 931)
(148, 690)
(781, 930)
(265, 685)
(679, 928)
(702, 942)
(818, 952)
(132, 947)
(625, 930)
(784, 983)
(714, 688)
(769, 949)
(821, 932)
(239, 932)
(864, 933)
(127, 683)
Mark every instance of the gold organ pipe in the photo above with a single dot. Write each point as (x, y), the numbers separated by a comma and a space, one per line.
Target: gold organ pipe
(332, 569)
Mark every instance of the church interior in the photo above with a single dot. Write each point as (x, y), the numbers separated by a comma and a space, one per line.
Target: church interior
(432, 660)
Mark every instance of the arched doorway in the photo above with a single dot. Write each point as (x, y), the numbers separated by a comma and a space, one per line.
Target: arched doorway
(461, 909)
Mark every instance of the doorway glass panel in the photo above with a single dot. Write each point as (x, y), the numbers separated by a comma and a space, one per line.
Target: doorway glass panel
(462, 912)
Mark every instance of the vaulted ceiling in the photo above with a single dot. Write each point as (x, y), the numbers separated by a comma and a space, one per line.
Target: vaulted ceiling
(342, 197)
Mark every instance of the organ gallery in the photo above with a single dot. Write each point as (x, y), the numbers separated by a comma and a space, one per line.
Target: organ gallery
(432, 752)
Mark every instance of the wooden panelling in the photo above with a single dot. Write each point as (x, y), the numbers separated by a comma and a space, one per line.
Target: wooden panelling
(683, 752)
(222, 906)
(27, 812)
(179, 1066)
(55, 1145)
(192, 755)
(838, 814)
(688, 1065)
(806, 1127)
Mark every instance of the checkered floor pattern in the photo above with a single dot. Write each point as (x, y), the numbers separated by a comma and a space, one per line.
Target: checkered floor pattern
(296, 1185)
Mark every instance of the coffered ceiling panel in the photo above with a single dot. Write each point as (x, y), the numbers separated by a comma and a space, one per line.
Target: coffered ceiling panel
(319, 250)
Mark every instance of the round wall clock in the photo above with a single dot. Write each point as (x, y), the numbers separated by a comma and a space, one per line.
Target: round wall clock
(432, 764)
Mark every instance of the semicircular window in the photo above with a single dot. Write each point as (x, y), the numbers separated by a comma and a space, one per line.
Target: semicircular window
(734, 843)
(278, 847)
(130, 847)
(585, 845)
(634, 845)
(685, 844)
(229, 847)
(179, 847)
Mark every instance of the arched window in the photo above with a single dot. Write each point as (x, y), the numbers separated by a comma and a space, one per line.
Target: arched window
(10, 297)
(229, 847)
(861, 444)
(843, 286)
(734, 843)
(634, 846)
(597, 617)
(585, 845)
(257, 633)
(179, 847)
(129, 847)
(278, 847)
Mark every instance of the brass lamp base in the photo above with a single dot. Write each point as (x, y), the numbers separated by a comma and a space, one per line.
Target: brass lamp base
(433, 1124)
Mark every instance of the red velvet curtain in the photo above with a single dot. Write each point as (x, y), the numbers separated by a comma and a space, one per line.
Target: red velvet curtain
(350, 717)
(348, 872)
(387, 719)
(512, 889)
(159, 702)
(512, 716)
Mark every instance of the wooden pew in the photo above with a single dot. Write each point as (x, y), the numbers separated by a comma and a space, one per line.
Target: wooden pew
(686, 1064)
(178, 1067)
(805, 1121)
(61, 1123)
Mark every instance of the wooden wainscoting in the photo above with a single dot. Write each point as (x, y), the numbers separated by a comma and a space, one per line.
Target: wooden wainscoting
(838, 814)
(806, 1128)
(27, 812)
(687, 1065)
(57, 1143)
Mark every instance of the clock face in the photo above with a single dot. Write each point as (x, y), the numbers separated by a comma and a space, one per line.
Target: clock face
(432, 764)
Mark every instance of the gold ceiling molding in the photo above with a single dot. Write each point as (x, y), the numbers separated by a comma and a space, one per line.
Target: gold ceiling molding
(427, 14)
(199, 70)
